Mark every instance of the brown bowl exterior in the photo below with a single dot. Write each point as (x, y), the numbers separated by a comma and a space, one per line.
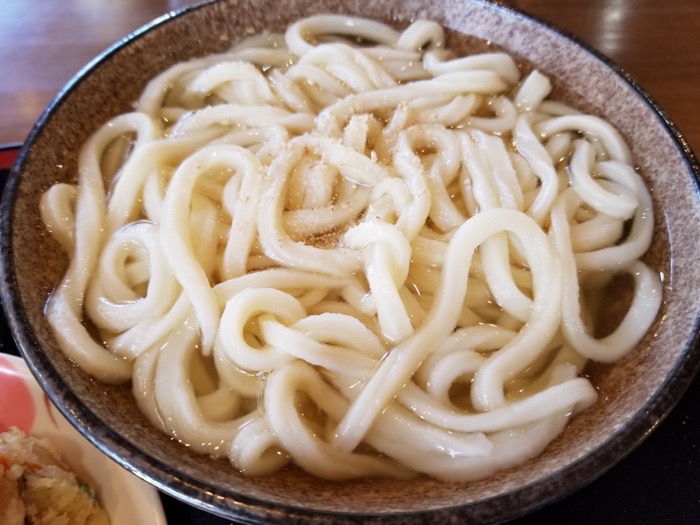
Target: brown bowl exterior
(636, 393)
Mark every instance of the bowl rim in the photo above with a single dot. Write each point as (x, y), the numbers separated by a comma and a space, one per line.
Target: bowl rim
(239, 506)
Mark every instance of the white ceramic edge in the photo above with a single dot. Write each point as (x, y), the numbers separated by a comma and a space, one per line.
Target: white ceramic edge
(127, 499)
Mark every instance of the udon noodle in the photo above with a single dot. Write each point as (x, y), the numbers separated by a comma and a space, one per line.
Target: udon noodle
(344, 247)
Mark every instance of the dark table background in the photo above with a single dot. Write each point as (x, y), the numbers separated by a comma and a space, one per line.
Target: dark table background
(43, 43)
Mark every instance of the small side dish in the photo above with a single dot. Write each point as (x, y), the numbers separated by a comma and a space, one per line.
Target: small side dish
(39, 447)
(37, 487)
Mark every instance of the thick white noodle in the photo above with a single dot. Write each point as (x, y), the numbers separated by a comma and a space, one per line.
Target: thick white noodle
(346, 248)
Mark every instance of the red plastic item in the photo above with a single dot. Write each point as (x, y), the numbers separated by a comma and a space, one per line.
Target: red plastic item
(8, 154)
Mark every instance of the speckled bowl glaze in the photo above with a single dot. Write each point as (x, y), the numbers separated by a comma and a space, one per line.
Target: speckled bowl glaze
(636, 393)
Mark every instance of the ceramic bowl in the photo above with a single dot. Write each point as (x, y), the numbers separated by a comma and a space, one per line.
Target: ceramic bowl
(636, 393)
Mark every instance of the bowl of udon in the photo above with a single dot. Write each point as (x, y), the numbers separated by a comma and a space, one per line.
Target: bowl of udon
(356, 262)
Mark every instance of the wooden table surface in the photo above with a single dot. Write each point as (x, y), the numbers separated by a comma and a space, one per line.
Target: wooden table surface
(43, 43)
